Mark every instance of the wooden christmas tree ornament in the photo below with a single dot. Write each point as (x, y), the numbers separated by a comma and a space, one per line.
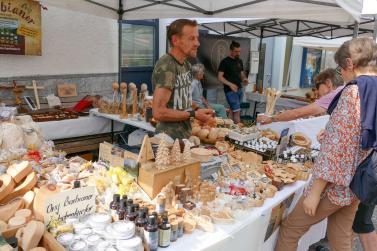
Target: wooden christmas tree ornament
(146, 151)
(163, 155)
(176, 156)
(187, 153)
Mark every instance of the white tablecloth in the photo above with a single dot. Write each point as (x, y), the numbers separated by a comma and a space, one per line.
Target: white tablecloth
(82, 126)
(310, 127)
(249, 233)
(130, 121)
(281, 103)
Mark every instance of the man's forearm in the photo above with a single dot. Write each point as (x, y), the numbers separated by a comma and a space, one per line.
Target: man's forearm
(224, 81)
(170, 115)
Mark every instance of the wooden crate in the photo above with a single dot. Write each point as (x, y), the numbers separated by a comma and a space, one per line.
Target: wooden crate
(48, 241)
(153, 180)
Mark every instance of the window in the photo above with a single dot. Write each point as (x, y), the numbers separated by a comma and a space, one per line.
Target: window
(138, 45)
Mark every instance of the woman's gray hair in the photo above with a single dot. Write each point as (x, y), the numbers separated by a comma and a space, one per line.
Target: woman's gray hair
(196, 68)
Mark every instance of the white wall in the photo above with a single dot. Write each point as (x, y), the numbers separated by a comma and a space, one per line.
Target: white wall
(295, 71)
(72, 43)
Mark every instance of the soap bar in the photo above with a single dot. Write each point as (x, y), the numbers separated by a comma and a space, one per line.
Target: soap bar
(28, 199)
(16, 222)
(24, 213)
(6, 186)
(43, 193)
(19, 171)
(30, 235)
(38, 249)
(3, 226)
(8, 210)
(27, 184)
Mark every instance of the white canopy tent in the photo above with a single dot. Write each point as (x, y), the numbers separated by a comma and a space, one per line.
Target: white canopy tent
(340, 13)
(331, 11)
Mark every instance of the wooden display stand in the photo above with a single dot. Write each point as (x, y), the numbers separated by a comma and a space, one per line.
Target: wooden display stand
(152, 180)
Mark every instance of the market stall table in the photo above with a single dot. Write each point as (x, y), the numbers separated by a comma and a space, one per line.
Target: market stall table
(129, 121)
(310, 127)
(249, 233)
(72, 128)
(281, 103)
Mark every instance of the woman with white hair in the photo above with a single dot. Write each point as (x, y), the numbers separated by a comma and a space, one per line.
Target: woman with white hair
(197, 92)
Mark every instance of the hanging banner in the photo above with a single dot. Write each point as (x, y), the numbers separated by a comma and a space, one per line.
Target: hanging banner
(20, 27)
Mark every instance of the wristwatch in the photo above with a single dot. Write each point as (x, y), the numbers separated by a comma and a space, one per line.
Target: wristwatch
(192, 114)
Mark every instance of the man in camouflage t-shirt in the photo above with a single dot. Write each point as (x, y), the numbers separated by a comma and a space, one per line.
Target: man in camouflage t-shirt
(172, 78)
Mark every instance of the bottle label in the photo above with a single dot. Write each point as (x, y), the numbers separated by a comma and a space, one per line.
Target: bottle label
(164, 237)
(114, 215)
(140, 233)
(151, 238)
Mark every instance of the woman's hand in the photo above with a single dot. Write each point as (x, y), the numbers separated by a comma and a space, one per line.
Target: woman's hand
(264, 120)
(320, 135)
(311, 203)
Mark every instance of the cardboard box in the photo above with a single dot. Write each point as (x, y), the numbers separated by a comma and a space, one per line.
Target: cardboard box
(152, 180)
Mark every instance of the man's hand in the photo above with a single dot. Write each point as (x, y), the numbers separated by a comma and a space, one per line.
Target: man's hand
(233, 87)
(264, 120)
(204, 115)
(311, 203)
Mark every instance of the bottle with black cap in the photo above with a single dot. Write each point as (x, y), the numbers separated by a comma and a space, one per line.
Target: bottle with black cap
(76, 184)
(164, 231)
(140, 223)
(13, 242)
(122, 210)
(114, 206)
(131, 214)
(151, 234)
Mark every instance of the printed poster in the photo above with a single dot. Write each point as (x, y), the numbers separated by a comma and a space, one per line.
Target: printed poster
(20, 27)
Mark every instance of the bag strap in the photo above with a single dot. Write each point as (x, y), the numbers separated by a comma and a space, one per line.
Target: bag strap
(335, 100)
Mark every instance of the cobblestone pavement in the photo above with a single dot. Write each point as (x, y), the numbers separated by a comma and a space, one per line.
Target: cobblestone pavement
(357, 244)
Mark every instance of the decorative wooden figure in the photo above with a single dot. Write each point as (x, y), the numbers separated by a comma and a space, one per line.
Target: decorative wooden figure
(123, 110)
(163, 155)
(146, 151)
(187, 153)
(143, 95)
(115, 105)
(176, 156)
(133, 90)
(36, 88)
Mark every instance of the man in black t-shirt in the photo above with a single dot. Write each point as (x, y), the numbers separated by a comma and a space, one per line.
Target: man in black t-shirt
(232, 75)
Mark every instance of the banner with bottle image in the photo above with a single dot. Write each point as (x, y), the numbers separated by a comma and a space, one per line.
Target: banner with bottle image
(20, 27)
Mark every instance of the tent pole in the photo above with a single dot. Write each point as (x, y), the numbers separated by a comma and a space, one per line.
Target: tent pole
(120, 19)
(375, 29)
(356, 30)
(260, 74)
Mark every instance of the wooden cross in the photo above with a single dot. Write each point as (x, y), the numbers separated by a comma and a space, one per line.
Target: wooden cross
(36, 88)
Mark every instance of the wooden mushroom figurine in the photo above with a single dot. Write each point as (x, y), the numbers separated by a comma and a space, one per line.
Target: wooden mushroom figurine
(133, 90)
(115, 106)
(123, 109)
(143, 95)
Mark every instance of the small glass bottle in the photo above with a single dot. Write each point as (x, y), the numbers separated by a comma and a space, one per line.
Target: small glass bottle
(114, 205)
(140, 223)
(156, 217)
(151, 234)
(122, 210)
(131, 214)
(129, 201)
(76, 184)
(137, 207)
(164, 233)
(124, 197)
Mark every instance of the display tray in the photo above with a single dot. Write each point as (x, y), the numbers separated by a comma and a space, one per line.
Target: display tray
(267, 155)
(54, 114)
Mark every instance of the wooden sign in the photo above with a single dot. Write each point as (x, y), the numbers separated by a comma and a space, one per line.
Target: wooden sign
(67, 90)
(72, 203)
(20, 27)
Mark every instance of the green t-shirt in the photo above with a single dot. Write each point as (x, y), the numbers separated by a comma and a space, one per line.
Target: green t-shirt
(169, 73)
